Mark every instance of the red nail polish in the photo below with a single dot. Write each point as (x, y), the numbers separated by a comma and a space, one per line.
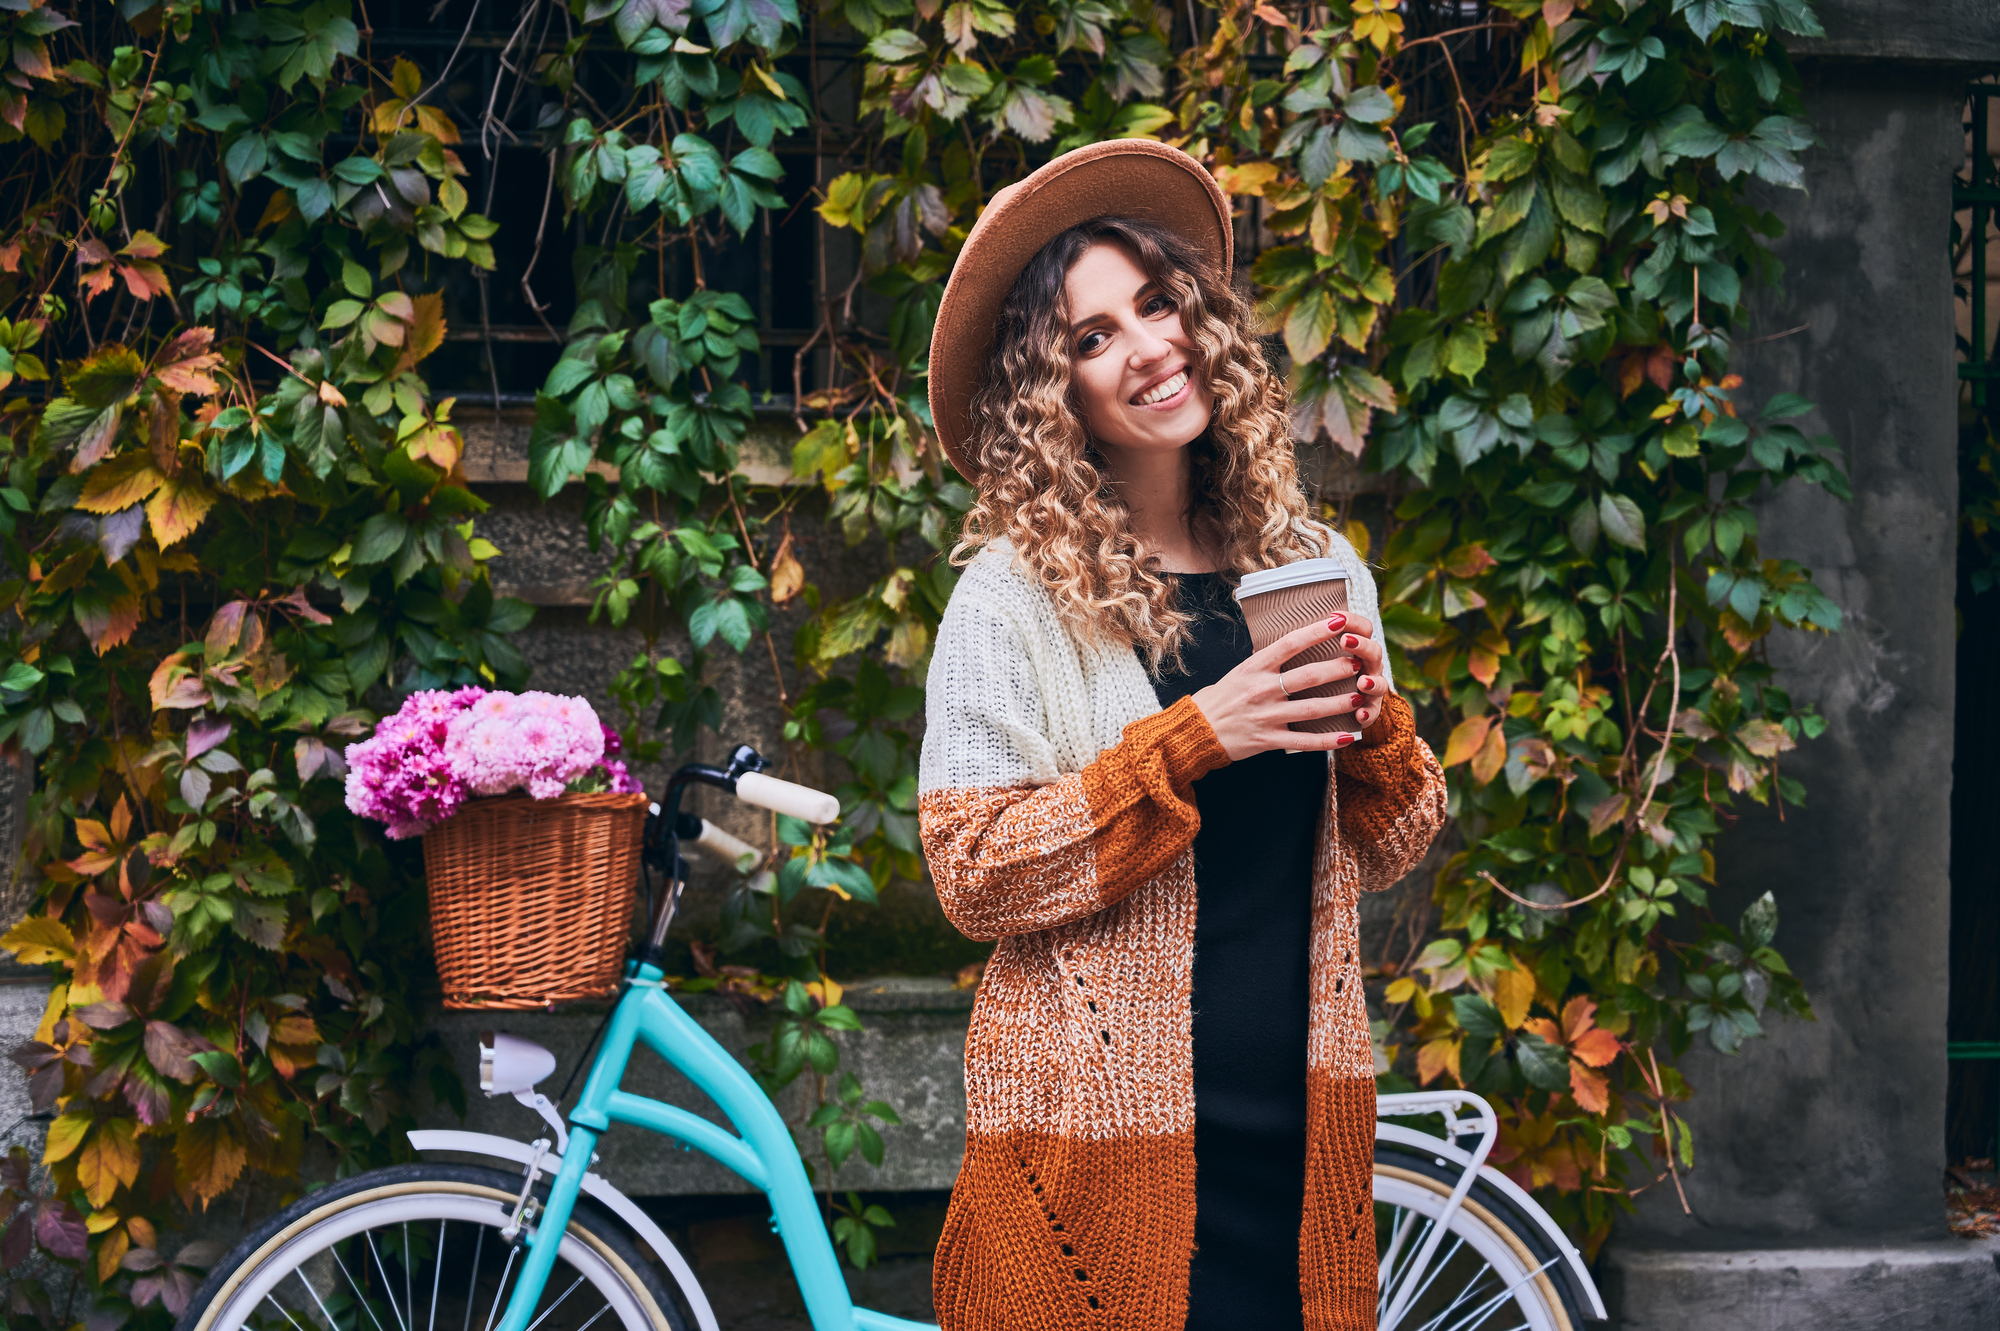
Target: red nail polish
(1343, 741)
(1336, 624)
(1364, 684)
(1350, 642)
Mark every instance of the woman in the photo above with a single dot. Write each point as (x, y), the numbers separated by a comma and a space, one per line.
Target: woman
(1170, 1112)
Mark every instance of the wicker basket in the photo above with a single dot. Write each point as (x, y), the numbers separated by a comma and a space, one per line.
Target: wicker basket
(531, 900)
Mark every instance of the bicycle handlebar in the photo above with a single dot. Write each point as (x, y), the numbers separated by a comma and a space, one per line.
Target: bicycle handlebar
(803, 802)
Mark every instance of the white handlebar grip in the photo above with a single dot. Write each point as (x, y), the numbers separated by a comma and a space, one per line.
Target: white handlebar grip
(767, 792)
(739, 853)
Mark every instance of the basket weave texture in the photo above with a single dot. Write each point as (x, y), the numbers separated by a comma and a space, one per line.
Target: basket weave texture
(531, 900)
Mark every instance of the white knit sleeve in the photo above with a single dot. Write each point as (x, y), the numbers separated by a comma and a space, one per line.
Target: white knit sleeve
(984, 714)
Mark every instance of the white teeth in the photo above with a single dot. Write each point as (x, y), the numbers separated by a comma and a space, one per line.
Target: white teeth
(1163, 391)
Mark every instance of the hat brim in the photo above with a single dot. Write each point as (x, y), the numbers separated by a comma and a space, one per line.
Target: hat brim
(1118, 178)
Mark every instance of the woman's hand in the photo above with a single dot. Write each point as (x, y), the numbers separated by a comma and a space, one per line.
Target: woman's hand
(1248, 709)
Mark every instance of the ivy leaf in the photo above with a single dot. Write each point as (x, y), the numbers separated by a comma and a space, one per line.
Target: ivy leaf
(1545, 1065)
(1621, 521)
(1310, 326)
(763, 21)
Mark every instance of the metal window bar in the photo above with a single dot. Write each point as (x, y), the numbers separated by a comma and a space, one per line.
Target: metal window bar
(1981, 193)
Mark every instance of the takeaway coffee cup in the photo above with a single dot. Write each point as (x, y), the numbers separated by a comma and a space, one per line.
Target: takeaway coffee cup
(1278, 600)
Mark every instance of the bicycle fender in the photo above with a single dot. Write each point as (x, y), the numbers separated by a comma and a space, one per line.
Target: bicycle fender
(596, 1187)
(1445, 1151)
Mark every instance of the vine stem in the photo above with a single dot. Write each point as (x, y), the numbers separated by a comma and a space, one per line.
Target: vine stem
(1669, 656)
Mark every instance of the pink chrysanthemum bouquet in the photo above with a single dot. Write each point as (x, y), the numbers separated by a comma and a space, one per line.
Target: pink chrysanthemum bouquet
(442, 748)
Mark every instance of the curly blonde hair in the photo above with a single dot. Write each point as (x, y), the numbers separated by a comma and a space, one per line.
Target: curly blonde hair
(1042, 481)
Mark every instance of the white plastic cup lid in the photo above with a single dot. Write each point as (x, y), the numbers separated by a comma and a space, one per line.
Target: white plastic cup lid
(1290, 575)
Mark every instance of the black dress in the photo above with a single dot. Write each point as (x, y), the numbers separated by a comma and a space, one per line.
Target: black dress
(1252, 936)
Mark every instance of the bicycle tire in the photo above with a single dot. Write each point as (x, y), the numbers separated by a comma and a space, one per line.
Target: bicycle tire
(1490, 1223)
(596, 1249)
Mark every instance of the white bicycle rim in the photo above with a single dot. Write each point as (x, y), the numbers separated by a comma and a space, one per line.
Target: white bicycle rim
(260, 1281)
(1483, 1277)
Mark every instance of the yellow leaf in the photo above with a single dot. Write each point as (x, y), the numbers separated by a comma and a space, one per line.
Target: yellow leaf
(776, 89)
(787, 574)
(1250, 178)
(109, 1158)
(1466, 738)
(1492, 756)
(1400, 990)
(827, 990)
(111, 1252)
(210, 1156)
(51, 1014)
(119, 483)
(38, 940)
(65, 1135)
(427, 329)
(1440, 1055)
(405, 79)
(437, 124)
(99, 1221)
(1512, 992)
(1356, 532)
(178, 509)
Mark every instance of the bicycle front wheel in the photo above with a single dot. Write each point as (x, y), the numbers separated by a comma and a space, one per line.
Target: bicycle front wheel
(419, 1248)
(1493, 1271)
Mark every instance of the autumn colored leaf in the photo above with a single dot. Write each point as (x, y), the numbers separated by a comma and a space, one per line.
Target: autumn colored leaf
(184, 364)
(1492, 756)
(100, 849)
(1466, 739)
(108, 621)
(426, 333)
(1591, 1091)
(1513, 991)
(110, 1252)
(119, 483)
(177, 508)
(1438, 1056)
(109, 1158)
(39, 940)
(788, 576)
(208, 1155)
(177, 682)
(65, 1135)
(1585, 1040)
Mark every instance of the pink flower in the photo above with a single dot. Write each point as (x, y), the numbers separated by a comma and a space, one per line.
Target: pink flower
(401, 776)
(537, 741)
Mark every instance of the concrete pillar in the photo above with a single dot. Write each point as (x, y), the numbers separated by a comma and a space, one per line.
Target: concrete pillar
(1816, 1198)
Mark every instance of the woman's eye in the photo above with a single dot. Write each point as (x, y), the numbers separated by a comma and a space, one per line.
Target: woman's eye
(1089, 343)
(1157, 306)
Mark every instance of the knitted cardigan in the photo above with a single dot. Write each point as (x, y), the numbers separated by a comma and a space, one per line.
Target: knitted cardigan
(1057, 816)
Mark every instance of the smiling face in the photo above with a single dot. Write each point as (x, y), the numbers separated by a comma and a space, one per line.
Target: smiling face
(1135, 370)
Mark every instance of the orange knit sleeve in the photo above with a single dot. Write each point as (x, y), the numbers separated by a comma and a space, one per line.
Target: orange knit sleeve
(1391, 796)
(1015, 859)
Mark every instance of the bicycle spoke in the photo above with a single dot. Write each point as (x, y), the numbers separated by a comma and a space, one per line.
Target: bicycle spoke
(437, 1275)
(1400, 1223)
(1473, 1289)
(388, 1285)
(499, 1295)
(1407, 1271)
(1480, 1314)
(553, 1306)
(360, 1295)
(1439, 1262)
(324, 1311)
(287, 1312)
(473, 1287)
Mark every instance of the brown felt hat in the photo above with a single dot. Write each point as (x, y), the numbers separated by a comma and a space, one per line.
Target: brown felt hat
(1118, 178)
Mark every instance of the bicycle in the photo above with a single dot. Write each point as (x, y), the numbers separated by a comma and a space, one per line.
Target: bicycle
(1462, 1247)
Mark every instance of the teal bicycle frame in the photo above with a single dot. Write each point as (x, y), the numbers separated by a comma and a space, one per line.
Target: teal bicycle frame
(761, 1150)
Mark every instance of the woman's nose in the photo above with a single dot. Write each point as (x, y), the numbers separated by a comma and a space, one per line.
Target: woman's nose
(1148, 346)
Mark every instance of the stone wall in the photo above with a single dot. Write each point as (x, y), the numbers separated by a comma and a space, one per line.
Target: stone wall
(1816, 1196)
